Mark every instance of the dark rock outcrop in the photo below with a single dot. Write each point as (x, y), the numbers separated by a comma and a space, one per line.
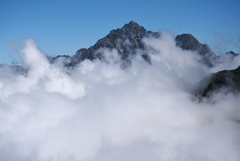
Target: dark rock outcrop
(188, 42)
(227, 79)
(231, 53)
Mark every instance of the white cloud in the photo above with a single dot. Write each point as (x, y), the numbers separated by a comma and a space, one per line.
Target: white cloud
(99, 111)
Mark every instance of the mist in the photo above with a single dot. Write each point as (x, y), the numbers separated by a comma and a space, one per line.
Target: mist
(99, 111)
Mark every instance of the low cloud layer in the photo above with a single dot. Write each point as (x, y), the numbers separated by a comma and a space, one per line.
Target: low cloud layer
(101, 112)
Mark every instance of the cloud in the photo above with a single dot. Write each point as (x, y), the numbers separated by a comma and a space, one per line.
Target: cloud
(99, 111)
(226, 62)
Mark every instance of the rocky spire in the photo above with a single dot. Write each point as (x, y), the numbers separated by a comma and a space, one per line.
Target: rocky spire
(126, 40)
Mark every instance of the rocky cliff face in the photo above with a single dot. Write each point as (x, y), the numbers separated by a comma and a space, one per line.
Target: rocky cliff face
(126, 40)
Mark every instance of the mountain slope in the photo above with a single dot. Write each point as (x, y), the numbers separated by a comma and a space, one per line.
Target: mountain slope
(126, 40)
(229, 80)
(188, 42)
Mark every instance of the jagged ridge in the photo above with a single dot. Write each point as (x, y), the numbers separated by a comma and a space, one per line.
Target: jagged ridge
(126, 40)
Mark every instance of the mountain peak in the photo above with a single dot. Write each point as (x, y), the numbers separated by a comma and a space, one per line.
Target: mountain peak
(130, 29)
(132, 24)
(126, 40)
(189, 42)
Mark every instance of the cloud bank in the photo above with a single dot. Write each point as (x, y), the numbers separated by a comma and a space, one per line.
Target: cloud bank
(99, 111)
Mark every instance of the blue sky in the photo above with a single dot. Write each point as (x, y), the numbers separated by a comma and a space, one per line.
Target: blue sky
(63, 26)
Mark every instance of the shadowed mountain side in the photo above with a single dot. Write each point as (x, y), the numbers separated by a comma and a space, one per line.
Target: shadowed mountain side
(188, 42)
(226, 79)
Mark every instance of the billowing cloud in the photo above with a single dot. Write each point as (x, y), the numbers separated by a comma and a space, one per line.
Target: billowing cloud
(99, 111)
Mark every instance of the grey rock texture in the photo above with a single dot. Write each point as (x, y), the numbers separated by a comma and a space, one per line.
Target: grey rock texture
(188, 42)
(125, 40)
(229, 80)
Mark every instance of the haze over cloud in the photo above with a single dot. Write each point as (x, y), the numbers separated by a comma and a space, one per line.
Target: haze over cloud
(99, 111)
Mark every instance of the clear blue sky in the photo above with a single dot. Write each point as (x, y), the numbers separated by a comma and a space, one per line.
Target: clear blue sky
(64, 26)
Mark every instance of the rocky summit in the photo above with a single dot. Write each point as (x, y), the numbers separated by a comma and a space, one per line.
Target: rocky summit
(125, 40)
(188, 42)
(128, 39)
